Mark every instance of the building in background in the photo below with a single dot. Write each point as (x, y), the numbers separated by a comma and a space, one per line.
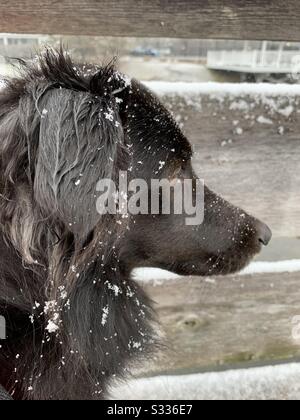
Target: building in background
(266, 62)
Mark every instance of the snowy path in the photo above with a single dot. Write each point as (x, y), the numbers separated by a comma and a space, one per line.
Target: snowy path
(265, 383)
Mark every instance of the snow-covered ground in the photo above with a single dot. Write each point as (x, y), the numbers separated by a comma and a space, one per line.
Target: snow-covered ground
(265, 383)
(171, 70)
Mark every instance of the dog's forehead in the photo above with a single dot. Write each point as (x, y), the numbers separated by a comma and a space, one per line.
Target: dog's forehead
(153, 127)
(142, 97)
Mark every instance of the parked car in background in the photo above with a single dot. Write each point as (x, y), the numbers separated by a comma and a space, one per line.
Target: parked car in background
(145, 52)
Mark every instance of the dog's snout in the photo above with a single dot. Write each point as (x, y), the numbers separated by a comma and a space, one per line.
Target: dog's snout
(264, 233)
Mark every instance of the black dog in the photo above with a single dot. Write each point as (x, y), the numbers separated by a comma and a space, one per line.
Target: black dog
(75, 318)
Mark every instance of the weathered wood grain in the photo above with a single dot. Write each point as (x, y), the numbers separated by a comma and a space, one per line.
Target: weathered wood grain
(226, 321)
(229, 19)
(255, 165)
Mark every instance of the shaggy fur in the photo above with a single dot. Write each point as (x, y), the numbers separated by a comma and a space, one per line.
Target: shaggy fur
(75, 318)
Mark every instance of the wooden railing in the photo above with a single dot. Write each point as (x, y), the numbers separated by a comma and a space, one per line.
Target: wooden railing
(226, 19)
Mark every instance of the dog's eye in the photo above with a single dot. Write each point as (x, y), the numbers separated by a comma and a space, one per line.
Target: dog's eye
(180, 169)
(184, 166)
(177, 173)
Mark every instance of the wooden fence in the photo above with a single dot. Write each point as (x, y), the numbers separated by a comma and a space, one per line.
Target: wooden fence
(226, 19)
(251, 157)
(231, 321)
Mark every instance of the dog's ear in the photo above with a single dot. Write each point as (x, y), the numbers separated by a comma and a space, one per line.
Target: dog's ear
(80, 142)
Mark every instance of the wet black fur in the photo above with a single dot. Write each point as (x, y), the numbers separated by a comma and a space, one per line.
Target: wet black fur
(60, 261)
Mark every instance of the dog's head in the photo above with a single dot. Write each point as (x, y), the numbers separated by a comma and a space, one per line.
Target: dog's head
(224, 240)
(64, 129)
(82, 126)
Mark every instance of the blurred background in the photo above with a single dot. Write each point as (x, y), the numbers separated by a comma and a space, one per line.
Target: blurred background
(173, 60)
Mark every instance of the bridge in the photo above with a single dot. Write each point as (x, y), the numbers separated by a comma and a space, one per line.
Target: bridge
(257, 61)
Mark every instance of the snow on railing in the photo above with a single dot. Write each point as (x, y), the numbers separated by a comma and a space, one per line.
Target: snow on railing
(257, 267)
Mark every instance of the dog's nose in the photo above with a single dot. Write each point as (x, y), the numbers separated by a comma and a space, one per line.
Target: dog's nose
(264, 233)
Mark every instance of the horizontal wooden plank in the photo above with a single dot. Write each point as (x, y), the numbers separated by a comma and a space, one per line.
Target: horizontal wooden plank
(213, 323)
(247, 148)
(230, 19)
